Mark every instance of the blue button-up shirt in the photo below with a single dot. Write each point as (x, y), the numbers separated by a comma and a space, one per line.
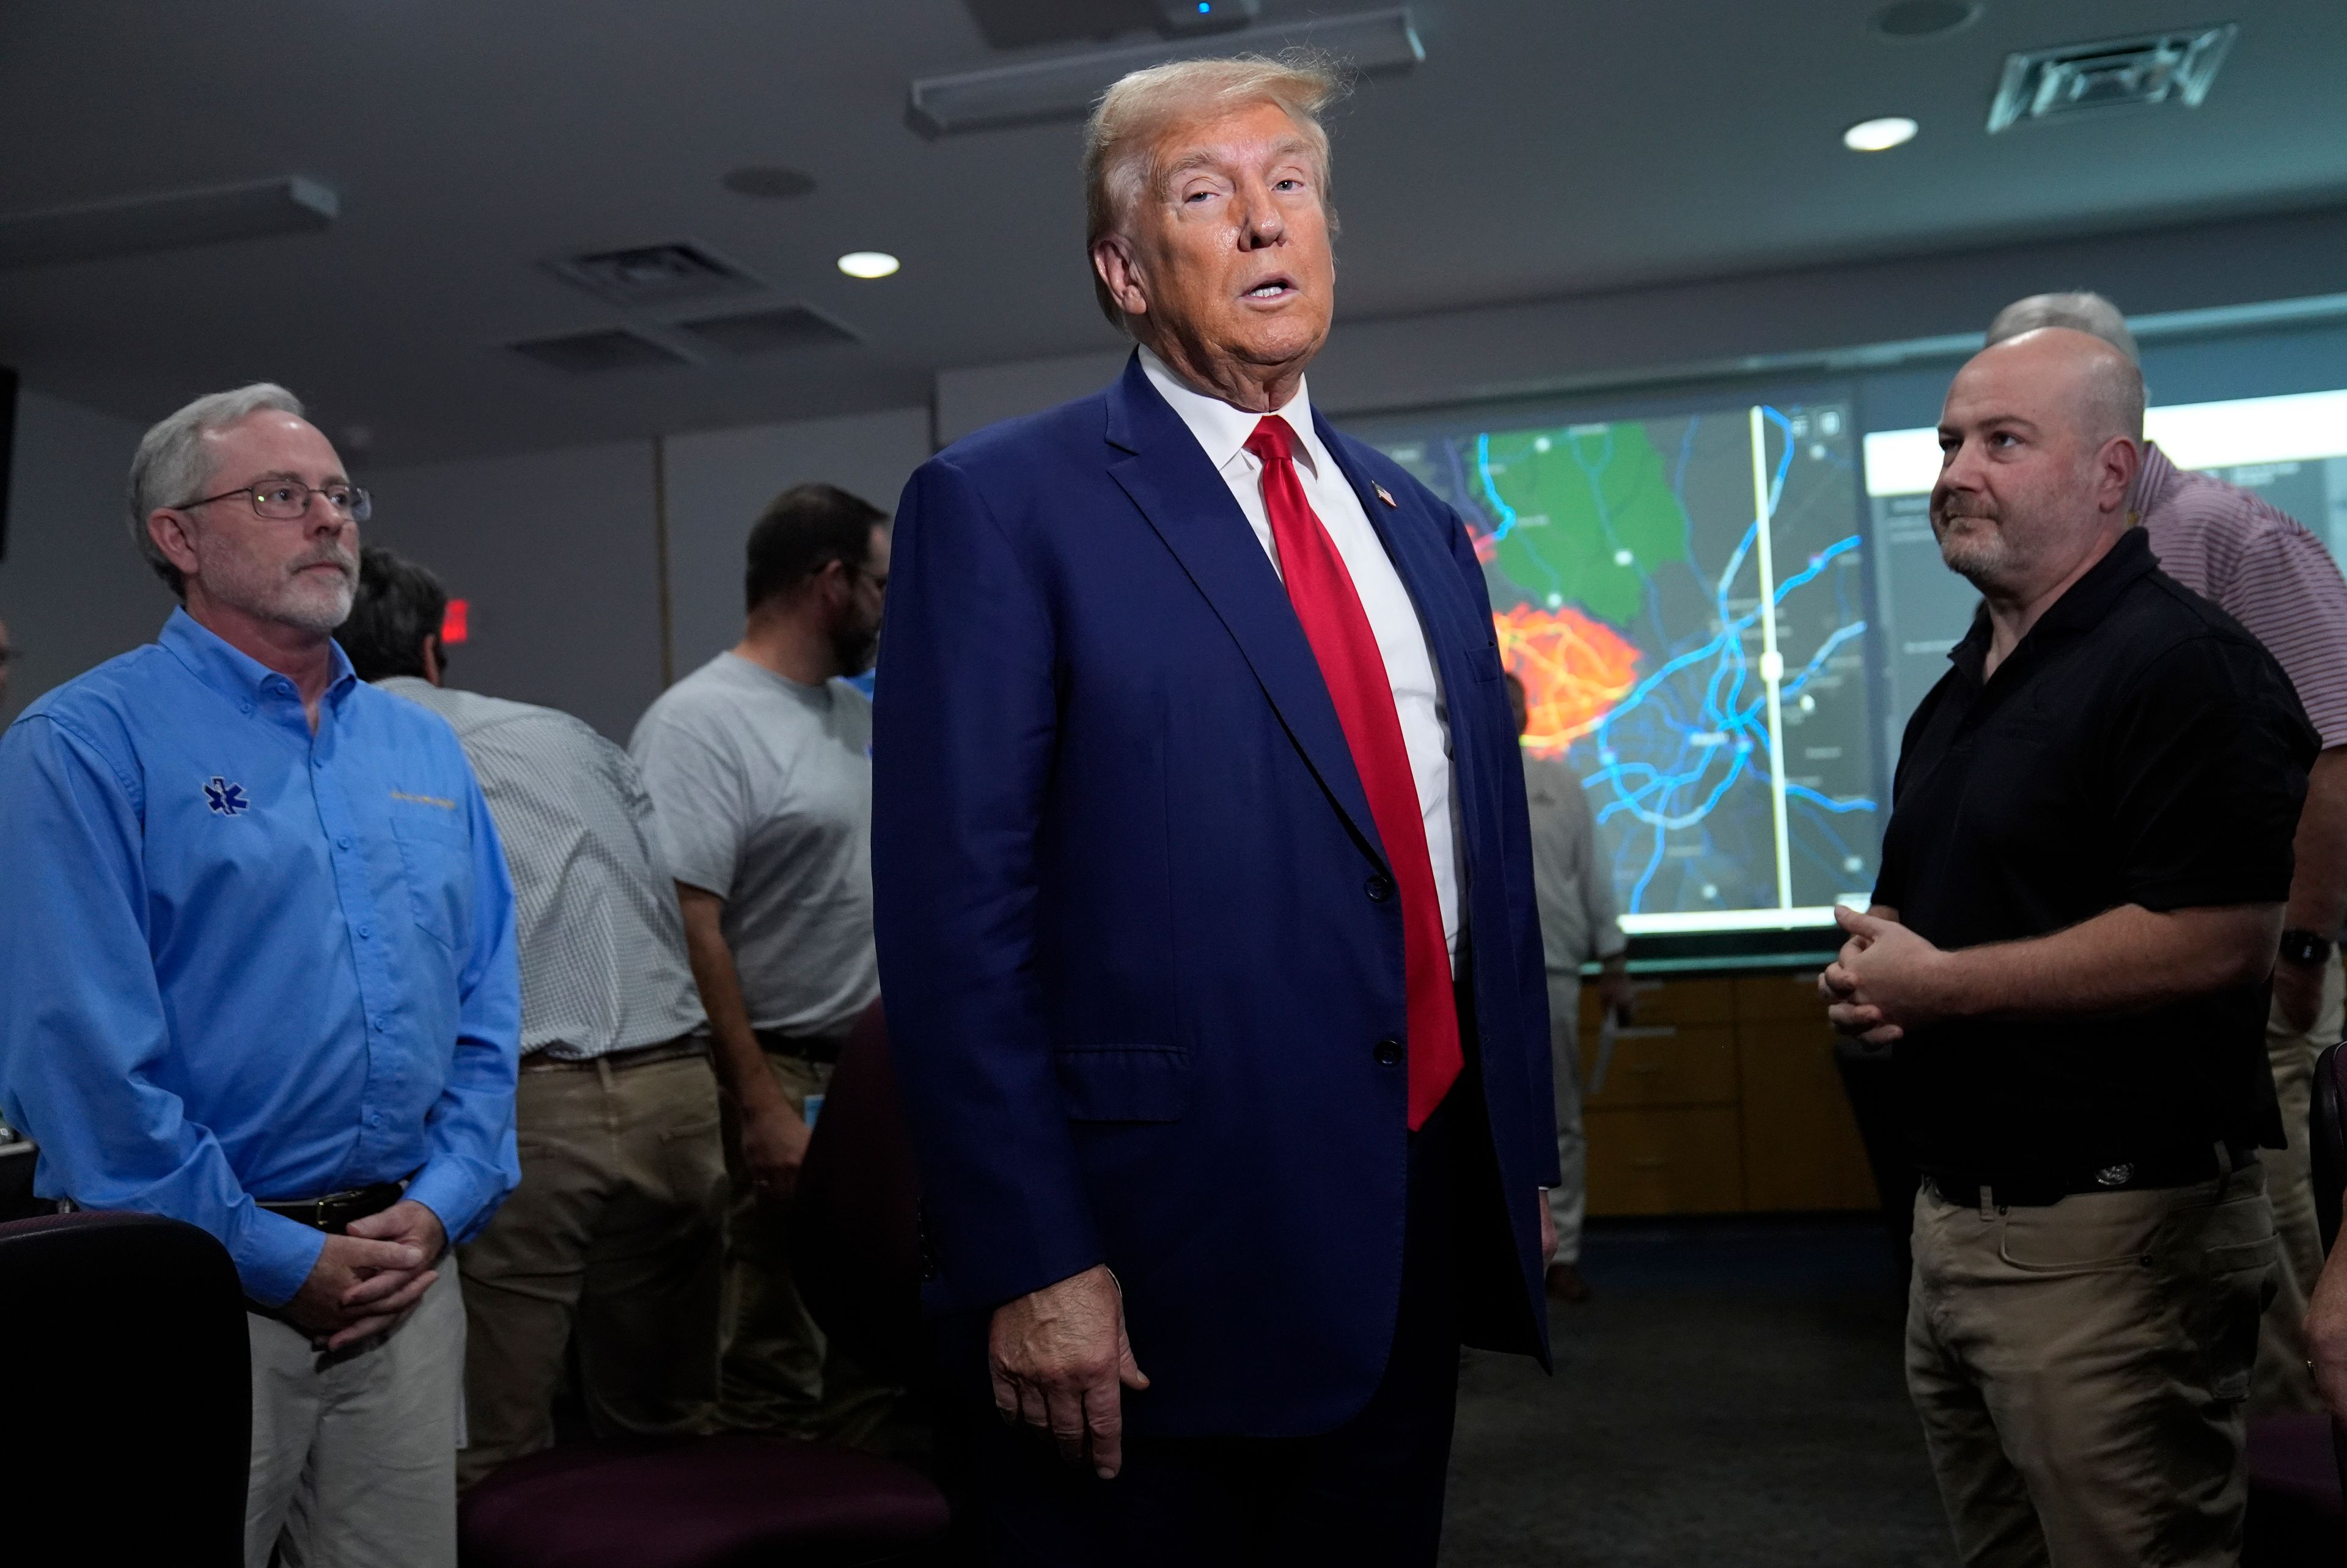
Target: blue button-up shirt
(240, 961)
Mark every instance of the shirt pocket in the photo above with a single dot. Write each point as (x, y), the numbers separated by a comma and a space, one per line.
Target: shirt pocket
(435, 859)
(1123, 1082)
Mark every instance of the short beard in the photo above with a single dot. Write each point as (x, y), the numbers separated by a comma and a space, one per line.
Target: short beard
(1980, 557)
(854, 649)
(288, 599)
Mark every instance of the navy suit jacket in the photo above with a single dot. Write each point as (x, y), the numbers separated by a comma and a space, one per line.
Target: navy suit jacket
(1136, 980)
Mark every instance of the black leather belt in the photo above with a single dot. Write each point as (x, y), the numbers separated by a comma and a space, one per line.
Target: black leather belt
(2037, 1190)
(675, 1050)
(334, 1212)
(821, 1049)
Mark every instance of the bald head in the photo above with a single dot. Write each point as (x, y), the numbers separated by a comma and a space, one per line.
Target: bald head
(2081, 310)
(2079, 379)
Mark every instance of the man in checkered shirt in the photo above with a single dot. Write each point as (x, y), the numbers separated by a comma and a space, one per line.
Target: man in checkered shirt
(615, 1235)
(2262, 568)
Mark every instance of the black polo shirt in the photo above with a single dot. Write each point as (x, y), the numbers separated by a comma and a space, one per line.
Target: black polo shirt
(2137, 747)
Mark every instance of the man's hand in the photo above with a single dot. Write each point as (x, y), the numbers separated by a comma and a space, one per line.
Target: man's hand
(2326, 1333)
(1886, 981)
(1548, 1228)
(361, 1282)
(1615, 991)
(2298, 994)
(774, 1145)
(1060, 1360)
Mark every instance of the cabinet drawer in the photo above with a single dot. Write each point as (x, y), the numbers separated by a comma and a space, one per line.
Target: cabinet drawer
(1683, 1161)
(1801, 1147)
(1663, 1064)
(1785, 997)
(1670, 1002)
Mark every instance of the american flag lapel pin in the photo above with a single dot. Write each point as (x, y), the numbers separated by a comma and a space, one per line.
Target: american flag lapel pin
(1383, 493)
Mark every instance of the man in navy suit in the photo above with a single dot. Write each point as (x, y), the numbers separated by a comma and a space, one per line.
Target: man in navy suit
(1204, 903)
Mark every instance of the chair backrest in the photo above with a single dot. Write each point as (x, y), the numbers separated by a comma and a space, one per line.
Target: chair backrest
(128, 1388)
(855, 1224)
(2327, 1139)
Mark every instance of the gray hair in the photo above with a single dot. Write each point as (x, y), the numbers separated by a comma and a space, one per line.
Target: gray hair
(172, 468)
(1121, 135)
(2081, 310)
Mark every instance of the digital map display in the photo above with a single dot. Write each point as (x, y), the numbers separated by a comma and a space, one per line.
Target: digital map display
(1684, 599)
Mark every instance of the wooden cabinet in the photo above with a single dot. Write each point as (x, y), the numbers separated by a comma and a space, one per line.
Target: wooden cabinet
(1721, 1097)
(1682, 1160)
(1662, 1064)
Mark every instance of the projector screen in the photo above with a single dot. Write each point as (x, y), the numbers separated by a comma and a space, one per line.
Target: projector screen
(1684, 596)
(1723, 606)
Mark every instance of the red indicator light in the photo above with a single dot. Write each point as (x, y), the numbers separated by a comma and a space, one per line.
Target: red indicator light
(454, 624)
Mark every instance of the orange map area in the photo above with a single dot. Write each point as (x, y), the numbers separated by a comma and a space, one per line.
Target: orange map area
(1575, 669)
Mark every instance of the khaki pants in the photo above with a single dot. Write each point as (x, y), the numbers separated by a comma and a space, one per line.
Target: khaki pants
(2080, 1370)
(354, 1453)
(2282, 1384)
(778, 1373)
(1568, 1201)
(613, 1241)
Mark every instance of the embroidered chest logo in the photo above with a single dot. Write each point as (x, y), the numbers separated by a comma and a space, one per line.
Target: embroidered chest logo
(226, 799)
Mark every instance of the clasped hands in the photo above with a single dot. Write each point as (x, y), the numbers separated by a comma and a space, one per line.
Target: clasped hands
(1885, 981)
(363, 1280)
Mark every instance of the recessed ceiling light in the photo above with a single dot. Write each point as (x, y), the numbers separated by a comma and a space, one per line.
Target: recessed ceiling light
(868, 264)
(1870, 134)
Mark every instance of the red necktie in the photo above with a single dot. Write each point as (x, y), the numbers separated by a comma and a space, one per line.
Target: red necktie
(1338, 630)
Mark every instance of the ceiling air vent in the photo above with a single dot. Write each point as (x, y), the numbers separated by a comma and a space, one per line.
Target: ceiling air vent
(768, 331)
(594, 353)
(2117, 73)
(643, 275)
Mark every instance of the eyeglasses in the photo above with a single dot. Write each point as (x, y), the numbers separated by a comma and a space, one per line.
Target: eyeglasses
(285, 500)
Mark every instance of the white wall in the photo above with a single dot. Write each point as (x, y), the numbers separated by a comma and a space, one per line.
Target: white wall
(555, 551)
(720, 480)
(558, 551)
(73, 588)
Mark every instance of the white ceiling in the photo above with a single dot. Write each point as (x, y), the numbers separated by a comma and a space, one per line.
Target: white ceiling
(1545, 147)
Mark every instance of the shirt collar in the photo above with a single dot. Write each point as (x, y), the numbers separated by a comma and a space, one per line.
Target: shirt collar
(2151, 481)
(1222, 429)
(2082, 605)
(233, 674)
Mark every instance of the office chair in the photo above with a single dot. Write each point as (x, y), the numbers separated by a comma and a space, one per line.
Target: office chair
(743, 1497)
(2327, 1154)
(128, 1391)
(2298, 1464)
(854, 1234)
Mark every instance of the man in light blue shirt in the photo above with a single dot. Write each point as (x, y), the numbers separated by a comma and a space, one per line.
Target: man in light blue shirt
(258, 964)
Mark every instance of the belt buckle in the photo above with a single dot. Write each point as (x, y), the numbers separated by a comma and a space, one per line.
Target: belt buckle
(2114, 1175)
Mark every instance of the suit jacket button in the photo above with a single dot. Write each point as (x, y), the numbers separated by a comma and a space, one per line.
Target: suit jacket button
(1388, 1053)
(1378, 887)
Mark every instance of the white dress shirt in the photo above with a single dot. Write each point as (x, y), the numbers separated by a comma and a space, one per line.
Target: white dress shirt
(1222, 431)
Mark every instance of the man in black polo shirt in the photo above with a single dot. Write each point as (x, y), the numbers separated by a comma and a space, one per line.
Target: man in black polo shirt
(2080, 898)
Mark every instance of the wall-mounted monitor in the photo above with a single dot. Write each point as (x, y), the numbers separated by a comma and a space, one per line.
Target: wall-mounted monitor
(1725, 602)
(1683, 588)
(2292, 450)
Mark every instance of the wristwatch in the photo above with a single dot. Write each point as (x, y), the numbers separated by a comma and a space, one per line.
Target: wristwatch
(2305, 947)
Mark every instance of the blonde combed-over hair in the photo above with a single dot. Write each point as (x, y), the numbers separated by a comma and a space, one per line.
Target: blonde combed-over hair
(1132, 115)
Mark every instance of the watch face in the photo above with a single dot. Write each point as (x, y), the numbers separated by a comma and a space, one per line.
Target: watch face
(2305, 946)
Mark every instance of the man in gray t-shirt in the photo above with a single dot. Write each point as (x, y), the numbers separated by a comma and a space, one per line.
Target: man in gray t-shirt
(764, 793)
(760, 766)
